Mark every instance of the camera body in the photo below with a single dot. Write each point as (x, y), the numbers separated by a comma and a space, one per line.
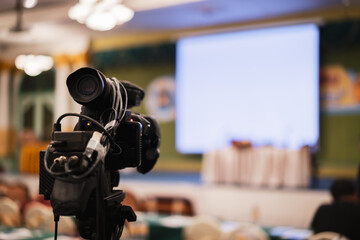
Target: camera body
(79, 169)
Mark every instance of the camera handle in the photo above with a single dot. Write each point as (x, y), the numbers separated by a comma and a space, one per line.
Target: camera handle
(110, 213)
(118, 213)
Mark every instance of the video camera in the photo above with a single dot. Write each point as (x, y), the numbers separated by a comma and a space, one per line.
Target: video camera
(79, 169)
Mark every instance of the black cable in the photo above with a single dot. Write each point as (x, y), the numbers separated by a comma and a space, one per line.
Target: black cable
(94, 122)
(49, 170)
(56, 220)
(113, 111)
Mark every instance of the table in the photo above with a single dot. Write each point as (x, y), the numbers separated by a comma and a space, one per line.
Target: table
(159, 227)
(265, 166)
(165, 227)
(22, 233)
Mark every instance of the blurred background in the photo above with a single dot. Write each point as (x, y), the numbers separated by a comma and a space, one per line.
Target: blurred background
(209, 68)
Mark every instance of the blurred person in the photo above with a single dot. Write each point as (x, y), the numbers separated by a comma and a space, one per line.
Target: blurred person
(27, 136)
(343, 214)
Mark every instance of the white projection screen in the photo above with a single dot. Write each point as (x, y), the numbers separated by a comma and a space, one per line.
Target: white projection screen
(256, 85)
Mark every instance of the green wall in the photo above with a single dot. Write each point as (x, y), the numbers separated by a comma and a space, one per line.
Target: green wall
(339, 140)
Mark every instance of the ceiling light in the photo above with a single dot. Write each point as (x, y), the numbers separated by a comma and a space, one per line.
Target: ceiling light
(101, 21)
(80, 12)
(33, 65)
(122, 14)
(100, 15)
(90, 2)
(30, 3)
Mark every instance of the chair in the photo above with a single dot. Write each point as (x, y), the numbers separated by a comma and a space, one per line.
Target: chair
(327, 236)
(29, 157)
(203, 228)
(169, 205)
(40, 216)
(131, 200)
(9, 212)
(247, 231)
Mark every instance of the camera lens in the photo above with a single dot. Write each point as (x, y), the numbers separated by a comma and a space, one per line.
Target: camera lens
(87, 85)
